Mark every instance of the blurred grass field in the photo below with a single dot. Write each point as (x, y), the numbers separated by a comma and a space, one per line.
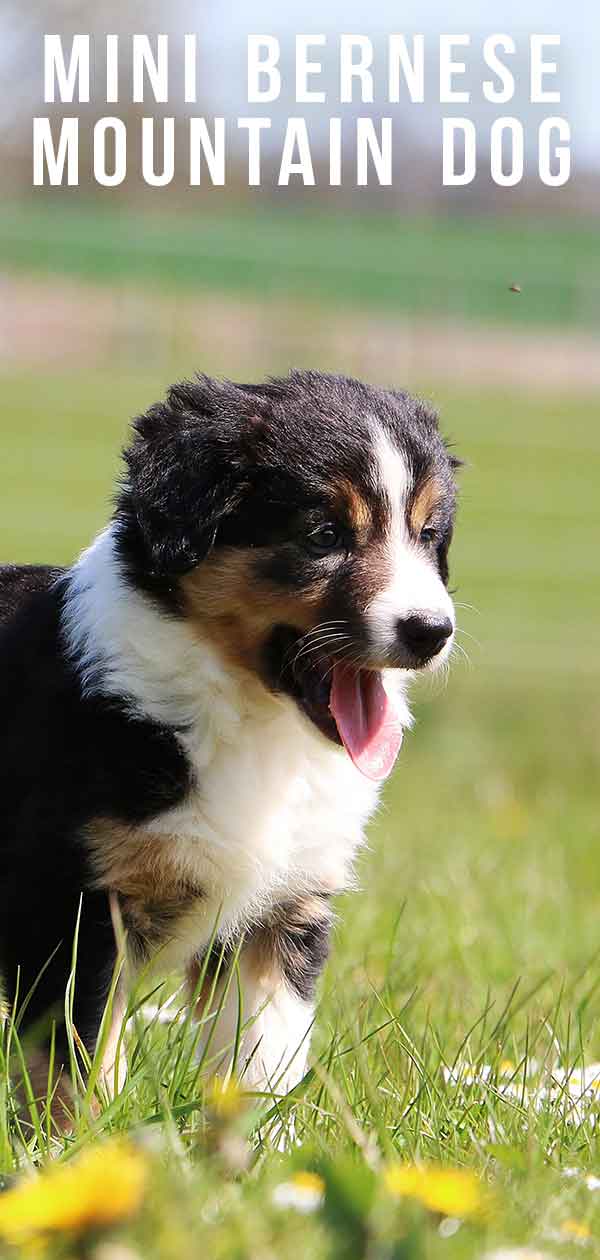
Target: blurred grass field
(448, 267)
(474, 939)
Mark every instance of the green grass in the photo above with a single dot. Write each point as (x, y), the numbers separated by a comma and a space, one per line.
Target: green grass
(459, 267)
(474, 939)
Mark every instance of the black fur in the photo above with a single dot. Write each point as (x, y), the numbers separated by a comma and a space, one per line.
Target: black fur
(17, 581)
(64, 759)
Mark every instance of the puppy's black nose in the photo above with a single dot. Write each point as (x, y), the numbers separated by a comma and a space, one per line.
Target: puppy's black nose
(424, 635)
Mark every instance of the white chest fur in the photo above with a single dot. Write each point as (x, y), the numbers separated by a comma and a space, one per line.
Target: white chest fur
(275, 813)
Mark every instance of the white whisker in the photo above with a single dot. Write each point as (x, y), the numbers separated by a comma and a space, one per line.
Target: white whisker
(459, 630)
(457, 647)
(469, 607)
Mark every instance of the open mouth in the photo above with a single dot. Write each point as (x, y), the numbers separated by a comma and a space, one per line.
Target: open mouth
(348, 704)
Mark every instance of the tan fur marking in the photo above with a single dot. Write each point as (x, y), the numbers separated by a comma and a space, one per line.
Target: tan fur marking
(152, 893)
(353, 506)
(202, 995)
(230, 604)
(426, 499)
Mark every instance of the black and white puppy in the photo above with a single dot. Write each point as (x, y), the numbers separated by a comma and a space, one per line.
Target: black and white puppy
(195, 718)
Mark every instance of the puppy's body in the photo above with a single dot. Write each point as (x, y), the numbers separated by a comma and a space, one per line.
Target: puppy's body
(180, 729)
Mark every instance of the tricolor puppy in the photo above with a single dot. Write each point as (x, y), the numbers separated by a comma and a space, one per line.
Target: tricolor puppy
(197, 716)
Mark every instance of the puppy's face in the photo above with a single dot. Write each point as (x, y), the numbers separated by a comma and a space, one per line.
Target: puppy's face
(314, 517)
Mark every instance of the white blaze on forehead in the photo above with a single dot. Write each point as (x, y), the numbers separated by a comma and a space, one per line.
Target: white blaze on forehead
(393, 480)
(414, 585)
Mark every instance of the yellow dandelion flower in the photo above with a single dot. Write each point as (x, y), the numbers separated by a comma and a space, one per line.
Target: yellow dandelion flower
(103, 1186)
(506, 1067)
(304, 1191)
(578, 1231)
(447, 1191)
(225, 1098)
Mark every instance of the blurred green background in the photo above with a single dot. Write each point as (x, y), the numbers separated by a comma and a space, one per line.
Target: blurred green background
(484, 300)
(491, 822)
(458, 266)
(475, 928)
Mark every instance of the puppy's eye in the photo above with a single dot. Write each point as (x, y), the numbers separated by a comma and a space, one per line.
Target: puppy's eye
(324, 539)
(428, 535)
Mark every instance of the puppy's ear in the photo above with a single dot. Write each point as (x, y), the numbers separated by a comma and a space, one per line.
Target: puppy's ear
(183, 479)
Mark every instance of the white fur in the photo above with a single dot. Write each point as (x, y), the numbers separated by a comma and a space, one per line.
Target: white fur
(415, 586)
(274, 1044)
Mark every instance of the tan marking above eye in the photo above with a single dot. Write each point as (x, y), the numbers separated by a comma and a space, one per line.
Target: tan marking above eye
(426, 499)
(353, 506)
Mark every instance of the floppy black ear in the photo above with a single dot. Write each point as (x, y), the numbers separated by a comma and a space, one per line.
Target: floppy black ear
(182, 480)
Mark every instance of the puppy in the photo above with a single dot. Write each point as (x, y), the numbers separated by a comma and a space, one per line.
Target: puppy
(196, 718)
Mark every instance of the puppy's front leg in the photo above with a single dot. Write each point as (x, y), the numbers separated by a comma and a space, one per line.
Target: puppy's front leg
(279, 964)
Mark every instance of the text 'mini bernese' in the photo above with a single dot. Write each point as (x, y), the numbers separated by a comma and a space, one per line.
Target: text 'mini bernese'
(195, 719)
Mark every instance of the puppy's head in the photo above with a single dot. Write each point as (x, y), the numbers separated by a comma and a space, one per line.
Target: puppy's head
(304, 526)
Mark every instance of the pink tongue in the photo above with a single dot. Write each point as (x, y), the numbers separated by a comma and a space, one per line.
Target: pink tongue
(366, 720)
